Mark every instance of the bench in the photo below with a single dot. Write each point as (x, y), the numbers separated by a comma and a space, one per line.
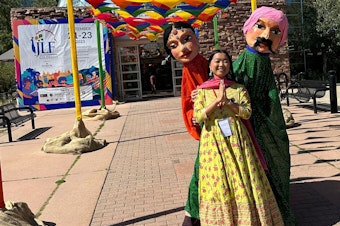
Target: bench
(9, 116)
(304, 90)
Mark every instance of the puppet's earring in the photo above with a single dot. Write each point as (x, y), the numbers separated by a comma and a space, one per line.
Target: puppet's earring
(210, 73)
(166, 60)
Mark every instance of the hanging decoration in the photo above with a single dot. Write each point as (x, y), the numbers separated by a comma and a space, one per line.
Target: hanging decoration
(148, 18)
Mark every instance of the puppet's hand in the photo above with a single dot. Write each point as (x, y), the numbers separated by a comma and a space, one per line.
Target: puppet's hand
(194, 95)
(194, 122)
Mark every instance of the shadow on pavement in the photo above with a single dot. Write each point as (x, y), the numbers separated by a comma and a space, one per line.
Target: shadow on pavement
(316, 203)
(34, 134)
(49, 223)
(147, 217)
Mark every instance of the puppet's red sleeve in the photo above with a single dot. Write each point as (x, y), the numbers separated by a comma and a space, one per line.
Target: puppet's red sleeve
(194, 73)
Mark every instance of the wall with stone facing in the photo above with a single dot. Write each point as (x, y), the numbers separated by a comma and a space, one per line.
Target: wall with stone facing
(48, 13)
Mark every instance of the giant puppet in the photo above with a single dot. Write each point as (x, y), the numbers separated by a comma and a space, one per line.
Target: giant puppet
(181, 43)
(265, 30)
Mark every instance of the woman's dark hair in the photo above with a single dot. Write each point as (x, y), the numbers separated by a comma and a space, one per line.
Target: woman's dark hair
(167, 32)
(230, 75)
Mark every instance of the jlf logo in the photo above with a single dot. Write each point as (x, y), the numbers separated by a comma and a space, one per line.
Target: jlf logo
(40, 45)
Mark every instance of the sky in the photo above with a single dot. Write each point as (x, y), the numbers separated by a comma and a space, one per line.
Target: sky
(63, 3)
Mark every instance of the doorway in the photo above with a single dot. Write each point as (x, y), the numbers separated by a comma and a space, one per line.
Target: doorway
(151, 57)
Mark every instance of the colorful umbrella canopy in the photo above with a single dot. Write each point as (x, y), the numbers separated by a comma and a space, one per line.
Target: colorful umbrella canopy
(148, 18)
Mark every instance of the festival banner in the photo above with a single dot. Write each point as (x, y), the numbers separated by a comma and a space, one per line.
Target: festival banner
(44, 66)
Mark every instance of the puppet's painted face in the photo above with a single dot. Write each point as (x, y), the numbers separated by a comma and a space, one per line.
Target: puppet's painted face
(183, 44)
(264, 36)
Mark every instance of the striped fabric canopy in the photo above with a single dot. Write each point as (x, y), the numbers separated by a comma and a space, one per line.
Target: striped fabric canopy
(148, 18)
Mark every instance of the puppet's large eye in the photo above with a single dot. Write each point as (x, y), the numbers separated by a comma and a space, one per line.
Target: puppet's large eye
(172, 45)
(259, 26)
(276, 31)
(187, 38)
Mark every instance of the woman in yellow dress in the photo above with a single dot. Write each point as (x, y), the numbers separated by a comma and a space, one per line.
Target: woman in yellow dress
(233, 187)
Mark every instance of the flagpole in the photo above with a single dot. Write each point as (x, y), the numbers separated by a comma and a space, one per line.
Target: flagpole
(74, 58)
(101, 74)
(217, 46)
(253, 5)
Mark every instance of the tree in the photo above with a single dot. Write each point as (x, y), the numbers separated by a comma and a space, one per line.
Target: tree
(322, 37)
(314, 38)
(7, 79)
(5, 23)
(5, 18)
(328, 18)
(46, 3)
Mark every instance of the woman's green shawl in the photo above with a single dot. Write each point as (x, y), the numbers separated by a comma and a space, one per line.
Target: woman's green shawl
(254, 70)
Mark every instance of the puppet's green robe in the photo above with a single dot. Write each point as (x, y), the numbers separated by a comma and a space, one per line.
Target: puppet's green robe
(254, 70)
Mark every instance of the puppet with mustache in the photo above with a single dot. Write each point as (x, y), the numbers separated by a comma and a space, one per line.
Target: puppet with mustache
(265, 30)
(267, 42)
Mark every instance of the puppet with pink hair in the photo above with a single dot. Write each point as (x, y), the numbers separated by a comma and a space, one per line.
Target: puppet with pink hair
(266, 30)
